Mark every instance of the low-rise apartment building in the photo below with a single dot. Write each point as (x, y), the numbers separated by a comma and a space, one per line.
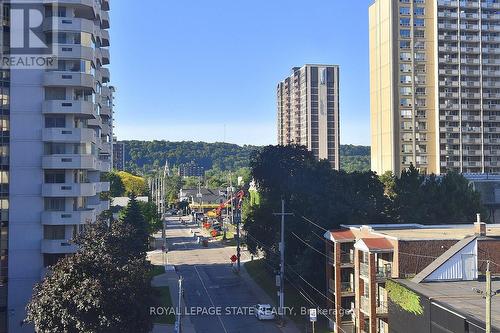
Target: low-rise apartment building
(363, 258)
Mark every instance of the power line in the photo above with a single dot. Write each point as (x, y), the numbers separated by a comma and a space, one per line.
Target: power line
(313, 223)
(307, 244)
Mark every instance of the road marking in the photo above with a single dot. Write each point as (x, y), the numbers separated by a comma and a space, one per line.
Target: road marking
(209, 298)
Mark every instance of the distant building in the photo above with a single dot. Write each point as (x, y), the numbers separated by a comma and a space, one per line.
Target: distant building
(364, 258)
(119, 156)
(308, 111)
(191, 170)
(201, 198)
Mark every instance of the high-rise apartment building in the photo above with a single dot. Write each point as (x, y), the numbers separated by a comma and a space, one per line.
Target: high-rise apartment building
(55, 142)
(308, 111)
(435, 85)
(118, 155)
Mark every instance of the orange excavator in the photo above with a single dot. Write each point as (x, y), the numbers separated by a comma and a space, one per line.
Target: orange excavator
(217, 212)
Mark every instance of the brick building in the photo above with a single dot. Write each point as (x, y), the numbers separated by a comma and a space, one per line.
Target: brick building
(363, 258)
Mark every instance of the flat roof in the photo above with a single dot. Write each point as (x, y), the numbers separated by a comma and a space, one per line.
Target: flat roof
(460, 298)
(424, 232)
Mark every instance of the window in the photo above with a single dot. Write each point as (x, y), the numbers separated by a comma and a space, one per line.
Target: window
(405, 68)
(420, 56)
(54, 232)
(420, 11)
(418, 22)
(55, 204)
(54, 177)
(404, 21)
(405, 56)
(405, 79)
(406, 113)
(404, 33)
(404, 44)
(405, 101)
(55, 122)
(404, 10)
(53, 94)
(419, 34)
(54, 148)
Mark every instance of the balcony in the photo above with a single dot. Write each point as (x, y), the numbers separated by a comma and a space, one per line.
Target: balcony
(100, 207)
(75, 52)
(106, 111)
(68, 79)
(69, 135)
(70, 161)
(91, 4)
(102, 187)
(69, 217)
(105, 74)
(105, 56)
(68, 190)
(105, 20)
(380, 308)
(80, 108)
(68, 24)
(58, 246)
(106, 148)
(95, 123)
(346, 288)
(347, 259)
(105, 38)
(104, 166)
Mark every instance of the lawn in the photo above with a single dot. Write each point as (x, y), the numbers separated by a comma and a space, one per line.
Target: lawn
(262, 275)
(162, 298)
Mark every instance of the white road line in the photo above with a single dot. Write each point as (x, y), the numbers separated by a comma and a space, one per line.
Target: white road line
(210, 298)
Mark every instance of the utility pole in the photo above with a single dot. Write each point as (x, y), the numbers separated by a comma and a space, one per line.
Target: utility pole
(179, 317)
(488, 295)
(281, 311)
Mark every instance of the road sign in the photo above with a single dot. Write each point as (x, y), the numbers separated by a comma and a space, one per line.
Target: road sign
(313, 316)
(234, 258)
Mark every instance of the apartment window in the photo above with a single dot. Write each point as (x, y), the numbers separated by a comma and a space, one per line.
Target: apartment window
(405, 79)
(405, 68)
(420, 91)
(405, 101)
(404, 10)
(404, 21)
(405, 56)
(419, 11)
(406, 113)
(54, 177)
(54, 232)
(405, 91)
(419, 33)
(54, 148)
(404, 33)
(55, 94)
(418, 22)
(420, 56)
(404, 44)
(55, 204)
(419, 45)
(55, 122)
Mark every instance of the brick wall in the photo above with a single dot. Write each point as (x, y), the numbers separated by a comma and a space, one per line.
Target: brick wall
(411, 254)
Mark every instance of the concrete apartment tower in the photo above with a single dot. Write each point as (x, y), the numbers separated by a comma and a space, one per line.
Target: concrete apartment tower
(435, 85)
(55, 143)
(308, 111)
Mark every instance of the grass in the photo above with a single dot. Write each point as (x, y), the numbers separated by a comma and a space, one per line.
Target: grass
(266, 279)
(162, 298)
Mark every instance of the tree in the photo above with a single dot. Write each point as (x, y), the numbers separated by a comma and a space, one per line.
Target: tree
(132, 216)
(150, 212)
(133, 184)
(100, 289)
(117, 189)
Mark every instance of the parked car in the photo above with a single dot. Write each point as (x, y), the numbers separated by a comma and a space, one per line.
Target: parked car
(264, 312)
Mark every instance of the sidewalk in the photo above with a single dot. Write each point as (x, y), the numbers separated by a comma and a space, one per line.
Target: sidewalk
(171, 280)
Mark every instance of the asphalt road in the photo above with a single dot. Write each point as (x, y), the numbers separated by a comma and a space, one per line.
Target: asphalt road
(211, 285)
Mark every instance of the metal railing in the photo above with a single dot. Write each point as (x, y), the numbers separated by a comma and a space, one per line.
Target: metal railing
(347, 258)
(346, 287)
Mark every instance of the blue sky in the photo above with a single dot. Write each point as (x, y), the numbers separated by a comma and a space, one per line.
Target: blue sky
(185, 70)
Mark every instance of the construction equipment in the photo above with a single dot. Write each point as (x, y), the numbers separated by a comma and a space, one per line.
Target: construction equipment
(217, 212)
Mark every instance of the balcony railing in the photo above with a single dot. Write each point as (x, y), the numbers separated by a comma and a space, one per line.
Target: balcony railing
(381, 306)
(346, 287)
(380, 272)
(347, 258)
(364, 269)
